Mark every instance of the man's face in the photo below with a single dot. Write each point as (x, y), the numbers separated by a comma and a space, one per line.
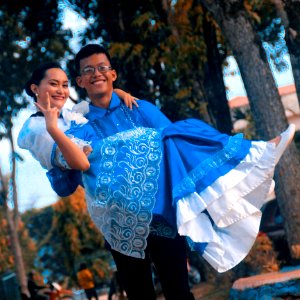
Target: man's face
(96, 77)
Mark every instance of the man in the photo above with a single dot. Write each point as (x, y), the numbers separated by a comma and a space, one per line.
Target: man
(148, 179)
(86, 281)
(110, 117)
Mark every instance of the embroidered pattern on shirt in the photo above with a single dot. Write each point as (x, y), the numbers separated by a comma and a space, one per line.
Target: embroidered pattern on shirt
(126, 187)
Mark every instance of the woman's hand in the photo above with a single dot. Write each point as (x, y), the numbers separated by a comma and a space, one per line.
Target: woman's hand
(74, 156)
(127, 98)
(51, 114)
(87, 150)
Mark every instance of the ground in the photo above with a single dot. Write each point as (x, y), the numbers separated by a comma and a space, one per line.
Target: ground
(202, 291)
(207, 291)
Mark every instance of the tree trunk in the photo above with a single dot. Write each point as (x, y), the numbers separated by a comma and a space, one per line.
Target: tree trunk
(214, 86)
(16, 216)
(17, 251)
(292, 38)
(266, 106)
(13, 233)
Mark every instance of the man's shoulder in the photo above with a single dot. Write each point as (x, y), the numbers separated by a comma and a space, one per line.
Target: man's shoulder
(81, 129)
(146, 105)
(145, 102)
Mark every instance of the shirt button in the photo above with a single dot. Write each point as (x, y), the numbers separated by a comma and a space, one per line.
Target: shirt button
(118, 124)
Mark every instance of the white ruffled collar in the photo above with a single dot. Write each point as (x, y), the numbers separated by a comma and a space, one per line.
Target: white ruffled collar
(76, 114)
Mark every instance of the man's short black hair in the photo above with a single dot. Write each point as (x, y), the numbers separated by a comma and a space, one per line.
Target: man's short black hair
(87, 51)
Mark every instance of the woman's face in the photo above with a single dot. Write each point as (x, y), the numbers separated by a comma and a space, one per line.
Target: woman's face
(56, 84)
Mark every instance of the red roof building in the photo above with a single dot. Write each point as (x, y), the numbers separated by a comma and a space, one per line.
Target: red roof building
(289, 100)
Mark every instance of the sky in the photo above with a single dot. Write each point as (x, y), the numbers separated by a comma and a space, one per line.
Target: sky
(34, 190)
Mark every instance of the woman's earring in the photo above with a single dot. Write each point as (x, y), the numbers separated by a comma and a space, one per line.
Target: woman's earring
(36, 94)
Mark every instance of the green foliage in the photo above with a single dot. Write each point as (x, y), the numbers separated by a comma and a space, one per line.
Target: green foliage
(66, 236)
(30, 33)
(158, 49)
(270, 29)
(6, 255)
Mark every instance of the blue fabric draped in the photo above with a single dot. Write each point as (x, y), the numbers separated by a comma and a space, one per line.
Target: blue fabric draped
(64, 182)
(197, 155)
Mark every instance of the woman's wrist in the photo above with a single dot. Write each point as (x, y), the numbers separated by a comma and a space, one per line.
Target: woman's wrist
(52, 128)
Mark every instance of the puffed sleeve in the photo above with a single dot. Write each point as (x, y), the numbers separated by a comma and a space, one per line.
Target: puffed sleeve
(35, 138)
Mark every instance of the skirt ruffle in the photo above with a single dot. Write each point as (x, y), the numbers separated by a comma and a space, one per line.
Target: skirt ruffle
(218, 191)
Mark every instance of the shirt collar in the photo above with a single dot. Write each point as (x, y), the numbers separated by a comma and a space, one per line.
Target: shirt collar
(40, 114)
(99, 112)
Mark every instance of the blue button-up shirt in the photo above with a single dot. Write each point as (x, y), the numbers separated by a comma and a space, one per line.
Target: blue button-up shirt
(148, 115)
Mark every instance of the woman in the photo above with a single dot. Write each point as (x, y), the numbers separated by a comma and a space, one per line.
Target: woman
(51, 78)
(214, 184)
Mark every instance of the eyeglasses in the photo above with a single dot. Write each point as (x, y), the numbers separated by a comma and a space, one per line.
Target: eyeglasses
(89, 70)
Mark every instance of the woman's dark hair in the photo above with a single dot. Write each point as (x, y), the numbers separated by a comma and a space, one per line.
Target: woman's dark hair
(87, 51)
(38, 75)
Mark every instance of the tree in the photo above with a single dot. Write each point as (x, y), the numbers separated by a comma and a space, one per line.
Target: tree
(66, 236)
(213, 79)
(289, 13)
(14, 238)
(29, 34)
(6, 258)
(265, 103)
(160, 53)
(27, 244)
(10, 237)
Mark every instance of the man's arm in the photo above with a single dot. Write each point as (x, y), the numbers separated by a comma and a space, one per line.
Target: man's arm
(155, 118)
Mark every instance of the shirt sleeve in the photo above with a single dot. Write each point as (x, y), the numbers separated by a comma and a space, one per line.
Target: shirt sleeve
(154, 117)
(35, 138)
(80, 136)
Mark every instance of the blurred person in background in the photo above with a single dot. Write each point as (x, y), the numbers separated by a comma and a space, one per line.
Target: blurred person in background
(86, 281)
